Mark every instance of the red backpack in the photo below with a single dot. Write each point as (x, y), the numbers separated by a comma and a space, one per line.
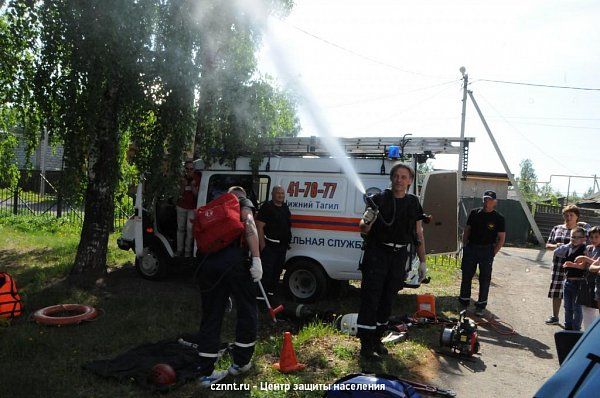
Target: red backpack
(218, 224)
(10, 301)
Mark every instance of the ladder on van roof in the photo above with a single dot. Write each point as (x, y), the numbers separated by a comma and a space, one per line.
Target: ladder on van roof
(368, 147)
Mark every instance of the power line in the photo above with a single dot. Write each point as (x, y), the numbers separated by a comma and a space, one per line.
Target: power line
(523, 135)
(357, 54)
(396, 113)
(552, 118)
(388, 96)
(560, 125)
(537, 85)
(377, 61)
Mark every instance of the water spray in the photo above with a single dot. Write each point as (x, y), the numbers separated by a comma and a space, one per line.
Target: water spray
(310, 105)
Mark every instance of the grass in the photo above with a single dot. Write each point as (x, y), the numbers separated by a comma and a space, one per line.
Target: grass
(47, 361)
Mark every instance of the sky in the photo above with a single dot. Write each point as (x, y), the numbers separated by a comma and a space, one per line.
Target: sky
(387, 68)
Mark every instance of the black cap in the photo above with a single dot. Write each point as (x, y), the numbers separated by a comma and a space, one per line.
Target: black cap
(489, 194)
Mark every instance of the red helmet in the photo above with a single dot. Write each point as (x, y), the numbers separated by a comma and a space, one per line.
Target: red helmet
(163, 374)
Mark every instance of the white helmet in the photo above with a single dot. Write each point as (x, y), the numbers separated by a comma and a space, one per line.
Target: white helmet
(348, 324)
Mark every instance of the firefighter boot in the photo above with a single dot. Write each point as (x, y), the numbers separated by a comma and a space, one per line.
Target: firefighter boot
(367, 349)
(378, 346)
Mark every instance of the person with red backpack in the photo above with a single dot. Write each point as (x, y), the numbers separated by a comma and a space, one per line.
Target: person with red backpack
(226, 273)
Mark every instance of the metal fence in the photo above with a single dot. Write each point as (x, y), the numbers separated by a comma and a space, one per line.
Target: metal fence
(547, 209)
(547, 217)
(36, 195)
(447, 259)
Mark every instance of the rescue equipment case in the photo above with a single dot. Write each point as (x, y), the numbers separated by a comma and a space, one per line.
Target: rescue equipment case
(218, 224)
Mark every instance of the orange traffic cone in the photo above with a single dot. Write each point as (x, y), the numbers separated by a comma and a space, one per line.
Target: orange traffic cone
(287, 360)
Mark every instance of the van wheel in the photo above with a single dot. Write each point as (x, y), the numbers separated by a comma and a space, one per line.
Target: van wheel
(305, 281)
(152, 265)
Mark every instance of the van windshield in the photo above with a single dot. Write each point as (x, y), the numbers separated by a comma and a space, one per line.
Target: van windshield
(257, 191)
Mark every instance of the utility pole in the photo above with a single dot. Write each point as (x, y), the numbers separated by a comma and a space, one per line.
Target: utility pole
(461, 155)
(534, 226)
(461, 159)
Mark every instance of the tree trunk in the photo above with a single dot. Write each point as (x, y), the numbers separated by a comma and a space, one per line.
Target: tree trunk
(103, 170)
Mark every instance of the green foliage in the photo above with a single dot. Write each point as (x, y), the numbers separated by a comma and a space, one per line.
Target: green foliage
(527, 180)
(528, 184)
(147, 75)
(313, 330)
(40, 224)
(9, 173)
(174, 76)
(129, 177)
(238, 110)
(18, 107)
(547, 192)
(62, 56)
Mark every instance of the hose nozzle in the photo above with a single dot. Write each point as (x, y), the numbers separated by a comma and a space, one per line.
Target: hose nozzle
(369, 201)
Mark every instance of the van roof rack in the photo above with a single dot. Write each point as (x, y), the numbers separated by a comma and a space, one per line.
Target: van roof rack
(367, 147)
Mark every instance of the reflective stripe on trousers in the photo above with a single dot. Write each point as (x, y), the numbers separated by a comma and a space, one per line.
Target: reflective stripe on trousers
(383, 273)
(226, 274)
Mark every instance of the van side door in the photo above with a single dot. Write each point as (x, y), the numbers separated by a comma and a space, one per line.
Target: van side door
(439, 197)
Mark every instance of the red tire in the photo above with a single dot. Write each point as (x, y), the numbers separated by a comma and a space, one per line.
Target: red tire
(84, 313)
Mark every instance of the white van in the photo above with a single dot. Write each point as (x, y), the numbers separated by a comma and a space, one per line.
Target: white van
(326, 207)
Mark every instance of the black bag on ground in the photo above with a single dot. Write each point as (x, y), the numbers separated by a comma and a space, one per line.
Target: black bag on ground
(136, 364)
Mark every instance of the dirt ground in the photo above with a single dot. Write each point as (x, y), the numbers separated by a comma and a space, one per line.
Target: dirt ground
(517, 364)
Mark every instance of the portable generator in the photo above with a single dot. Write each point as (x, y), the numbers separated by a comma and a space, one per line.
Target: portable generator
(462, 337)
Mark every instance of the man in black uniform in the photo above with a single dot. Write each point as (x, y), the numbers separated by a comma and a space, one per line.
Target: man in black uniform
(274, 236)
(227, 273)
(483, 238)
(394, 232)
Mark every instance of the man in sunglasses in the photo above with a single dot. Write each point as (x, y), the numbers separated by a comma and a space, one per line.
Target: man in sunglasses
(188, 195)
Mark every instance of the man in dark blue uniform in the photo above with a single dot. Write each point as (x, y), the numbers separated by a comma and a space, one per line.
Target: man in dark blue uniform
(482, 239)
(227, 272)
(274, 236)
(393, 234)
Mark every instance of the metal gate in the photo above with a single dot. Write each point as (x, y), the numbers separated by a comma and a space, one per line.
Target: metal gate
(37, 195)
